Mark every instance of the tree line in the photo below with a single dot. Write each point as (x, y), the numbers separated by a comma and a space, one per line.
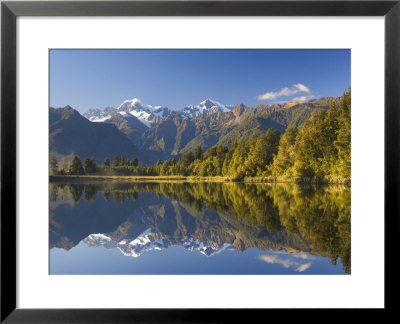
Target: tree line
(89, 166)
(318, 151)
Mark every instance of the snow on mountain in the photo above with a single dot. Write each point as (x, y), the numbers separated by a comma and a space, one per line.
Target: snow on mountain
(207, 106)
(145, 113)
(150, 115)
(143, 116)
(129, 105)
(100, 115)
(150, 240)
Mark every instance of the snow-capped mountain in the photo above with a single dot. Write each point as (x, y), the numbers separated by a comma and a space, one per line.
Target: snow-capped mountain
(150, 240)
(150, 115)
(207, 106)
(100, 115)
(147, 114)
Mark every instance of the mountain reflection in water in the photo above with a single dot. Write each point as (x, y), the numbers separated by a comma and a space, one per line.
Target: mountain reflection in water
(281, 225)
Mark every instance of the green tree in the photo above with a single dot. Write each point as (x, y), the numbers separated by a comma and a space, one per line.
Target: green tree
(76, 166)
(168, 167)
(122, 160)
(134, 162)
(343, 139)
(106, 162)
(115, 162)
(157, 167)
(89, 165)
(185, 162)
(198, 152)
(237, 168)
(262, 152)
(53, 165)
(323, 144)
(284, 160)
(312, 148)
(64, 165)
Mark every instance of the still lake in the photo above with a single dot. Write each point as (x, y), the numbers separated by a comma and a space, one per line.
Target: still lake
(109, 227)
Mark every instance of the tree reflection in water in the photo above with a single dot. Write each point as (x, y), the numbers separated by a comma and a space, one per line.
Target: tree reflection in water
(266, 216)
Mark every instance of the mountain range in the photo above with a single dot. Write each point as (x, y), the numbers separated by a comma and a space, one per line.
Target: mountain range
(150, 115)
(151, 240)
(149, 220)
(147, 132)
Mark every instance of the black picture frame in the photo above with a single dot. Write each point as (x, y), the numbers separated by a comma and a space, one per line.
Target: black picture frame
(10, 10)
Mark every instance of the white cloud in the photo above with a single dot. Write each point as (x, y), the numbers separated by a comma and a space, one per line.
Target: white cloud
(301, 98)
(284, 92)
(286, 263)
(302, 88)
(303, 256)
(303, 267)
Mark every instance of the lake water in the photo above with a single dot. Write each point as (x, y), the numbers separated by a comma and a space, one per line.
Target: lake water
(108, 227)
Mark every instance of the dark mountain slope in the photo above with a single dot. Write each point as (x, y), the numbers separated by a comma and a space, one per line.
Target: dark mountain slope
(130, 126)
(70, 133)
(169, 136)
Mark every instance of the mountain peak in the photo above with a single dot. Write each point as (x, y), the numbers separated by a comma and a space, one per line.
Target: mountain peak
(209, 103)
(68, 112)
(130, 104)
(208, 106)
(135, 100)
(238, 110)
(147, 114)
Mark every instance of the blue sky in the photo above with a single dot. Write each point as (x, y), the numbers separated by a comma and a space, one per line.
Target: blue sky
(87, 79)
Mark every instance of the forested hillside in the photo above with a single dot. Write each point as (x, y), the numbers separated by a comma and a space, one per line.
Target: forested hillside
(317, 151)
(176, 135)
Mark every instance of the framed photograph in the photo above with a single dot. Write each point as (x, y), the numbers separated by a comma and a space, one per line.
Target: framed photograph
(162, 159)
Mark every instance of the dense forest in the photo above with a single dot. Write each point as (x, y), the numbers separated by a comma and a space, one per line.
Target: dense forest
(318, 151)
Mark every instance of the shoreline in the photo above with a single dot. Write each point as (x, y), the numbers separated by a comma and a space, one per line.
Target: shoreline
(138, 178)
(62, 178)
